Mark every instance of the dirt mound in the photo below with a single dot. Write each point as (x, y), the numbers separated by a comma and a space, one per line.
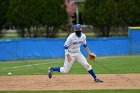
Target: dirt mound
(70, 82)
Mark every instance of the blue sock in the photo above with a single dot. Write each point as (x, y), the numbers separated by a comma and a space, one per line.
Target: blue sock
(56, 69)
(92, 73)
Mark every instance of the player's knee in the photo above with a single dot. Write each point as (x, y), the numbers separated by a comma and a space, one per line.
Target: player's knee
(64, 70)
(88, 67)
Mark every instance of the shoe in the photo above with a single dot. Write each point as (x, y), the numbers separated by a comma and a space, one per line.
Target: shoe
(98, 80)
(50, 72)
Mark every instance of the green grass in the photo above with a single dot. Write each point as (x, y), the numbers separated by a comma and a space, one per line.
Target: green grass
(77, 91)
(65, 35)
(102, 65)
(10, 35)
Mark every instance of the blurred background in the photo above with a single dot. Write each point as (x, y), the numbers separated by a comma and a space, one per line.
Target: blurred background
(55, 18)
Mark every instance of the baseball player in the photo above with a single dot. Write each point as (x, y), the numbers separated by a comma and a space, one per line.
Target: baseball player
(72, 53)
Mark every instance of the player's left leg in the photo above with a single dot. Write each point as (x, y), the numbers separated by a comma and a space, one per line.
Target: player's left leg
(82, 60)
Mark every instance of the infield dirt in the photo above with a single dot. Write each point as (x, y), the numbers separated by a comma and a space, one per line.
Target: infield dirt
(69, 82)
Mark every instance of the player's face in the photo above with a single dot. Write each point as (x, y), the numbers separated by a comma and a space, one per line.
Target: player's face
(78, 32)
(78, 29)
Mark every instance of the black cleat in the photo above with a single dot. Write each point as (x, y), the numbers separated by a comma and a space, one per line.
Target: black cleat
(98, 80)
(50, 72)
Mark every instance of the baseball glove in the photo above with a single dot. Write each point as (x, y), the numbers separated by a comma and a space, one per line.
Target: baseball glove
(91, 56)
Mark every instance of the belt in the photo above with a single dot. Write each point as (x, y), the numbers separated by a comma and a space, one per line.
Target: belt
(72, 51)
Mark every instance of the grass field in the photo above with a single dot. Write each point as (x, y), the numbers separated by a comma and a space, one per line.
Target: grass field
(102, 65)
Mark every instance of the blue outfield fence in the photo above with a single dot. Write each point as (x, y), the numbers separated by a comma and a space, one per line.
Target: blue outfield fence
(11, 49)
(31, 48)
(134, 37)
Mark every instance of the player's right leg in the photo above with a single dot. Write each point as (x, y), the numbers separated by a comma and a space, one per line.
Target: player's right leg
(64, 69)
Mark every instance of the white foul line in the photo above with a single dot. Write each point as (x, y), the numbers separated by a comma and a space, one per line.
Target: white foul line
(28, 65)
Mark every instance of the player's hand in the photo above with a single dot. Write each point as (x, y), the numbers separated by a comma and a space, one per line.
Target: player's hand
(68, 58)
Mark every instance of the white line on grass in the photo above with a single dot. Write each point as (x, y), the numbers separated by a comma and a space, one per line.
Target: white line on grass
(28, 65)
(31, 60)
(121, 56)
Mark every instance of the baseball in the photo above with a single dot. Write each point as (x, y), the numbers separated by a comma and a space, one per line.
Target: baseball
(9, 73)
